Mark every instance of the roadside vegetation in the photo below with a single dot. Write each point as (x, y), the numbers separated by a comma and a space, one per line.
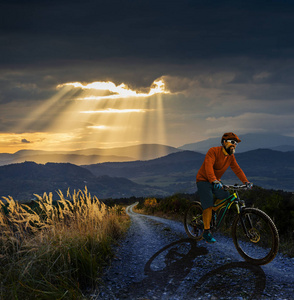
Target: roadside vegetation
(279, 205)
(56, 249)
(59, 249)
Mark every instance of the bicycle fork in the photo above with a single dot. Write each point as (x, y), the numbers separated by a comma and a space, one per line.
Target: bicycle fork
(245, 219)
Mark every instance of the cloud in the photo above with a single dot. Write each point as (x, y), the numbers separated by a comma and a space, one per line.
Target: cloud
(114, 91)
(25, 141)
(148, 30)
(225, 63)
(253, 122)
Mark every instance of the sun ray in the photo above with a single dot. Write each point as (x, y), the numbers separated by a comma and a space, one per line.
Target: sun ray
(37, 114)
(114, 111)
(117, 119)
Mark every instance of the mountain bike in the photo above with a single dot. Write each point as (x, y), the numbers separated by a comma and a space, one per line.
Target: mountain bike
(255, 235)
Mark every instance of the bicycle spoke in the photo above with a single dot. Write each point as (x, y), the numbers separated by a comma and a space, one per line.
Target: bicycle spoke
(255, 236)
(193, 221)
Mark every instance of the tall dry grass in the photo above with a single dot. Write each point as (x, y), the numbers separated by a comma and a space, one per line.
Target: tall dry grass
(56, 250)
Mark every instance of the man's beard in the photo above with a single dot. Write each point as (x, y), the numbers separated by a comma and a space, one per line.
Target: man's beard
(230, 150)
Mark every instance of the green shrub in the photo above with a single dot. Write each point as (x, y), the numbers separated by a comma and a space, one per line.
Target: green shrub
(175, 204)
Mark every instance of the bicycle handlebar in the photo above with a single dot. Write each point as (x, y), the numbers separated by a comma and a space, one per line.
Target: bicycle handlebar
(236, 187)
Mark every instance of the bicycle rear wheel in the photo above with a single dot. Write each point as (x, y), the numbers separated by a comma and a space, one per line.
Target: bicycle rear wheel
(193, 222)
(255, 236)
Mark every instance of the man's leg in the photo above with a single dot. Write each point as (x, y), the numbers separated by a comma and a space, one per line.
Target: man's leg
(219, 206)
(220, 195)
(206, 198)
(206, 216)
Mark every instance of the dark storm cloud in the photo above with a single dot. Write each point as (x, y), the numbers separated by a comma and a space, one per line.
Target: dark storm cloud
(23, 87)
(137, 41)
(65, 31)
(230, 62)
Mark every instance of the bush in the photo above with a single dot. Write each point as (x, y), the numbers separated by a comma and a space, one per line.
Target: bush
(175, 204)
(150, 205)
(172, 205)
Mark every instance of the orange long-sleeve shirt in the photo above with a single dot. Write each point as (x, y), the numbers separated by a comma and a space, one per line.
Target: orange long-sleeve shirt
(216, 163)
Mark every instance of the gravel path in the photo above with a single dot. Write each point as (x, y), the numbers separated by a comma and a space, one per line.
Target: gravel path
(156, 260)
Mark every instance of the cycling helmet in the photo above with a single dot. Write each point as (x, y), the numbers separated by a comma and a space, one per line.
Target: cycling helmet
(230, 136)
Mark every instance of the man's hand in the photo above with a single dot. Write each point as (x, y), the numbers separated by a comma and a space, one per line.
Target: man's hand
(217, 184)
(249, 185)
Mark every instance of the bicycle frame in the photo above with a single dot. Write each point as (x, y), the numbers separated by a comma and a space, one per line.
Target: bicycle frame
(233, 198)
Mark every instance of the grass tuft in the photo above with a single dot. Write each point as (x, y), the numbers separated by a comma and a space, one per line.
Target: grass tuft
(56, 250)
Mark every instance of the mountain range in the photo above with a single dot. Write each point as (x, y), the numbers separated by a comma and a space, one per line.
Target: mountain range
(142, 170)
(250, 141)
(144, 151)
(23, 180)
(177, 172)
(173, 173)
(89, 156)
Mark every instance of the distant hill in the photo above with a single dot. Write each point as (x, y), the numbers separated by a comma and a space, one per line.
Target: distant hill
(89, 156)
(283, 148)
(175, 162)
(177, 172)
(22, 181)
(136, 152)
(268, 168)
(173, 173)
(250, 141)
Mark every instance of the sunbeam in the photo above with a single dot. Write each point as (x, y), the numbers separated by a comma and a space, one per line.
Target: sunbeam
(117, 117)
(113, 111)
(39, 114)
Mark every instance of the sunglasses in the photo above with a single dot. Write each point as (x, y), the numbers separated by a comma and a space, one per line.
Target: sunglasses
(233, 142)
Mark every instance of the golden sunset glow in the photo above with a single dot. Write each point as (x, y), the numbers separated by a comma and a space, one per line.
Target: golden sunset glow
(100, 127)
(117, 119)
(113, 111)
(36, 140)
(121, 91)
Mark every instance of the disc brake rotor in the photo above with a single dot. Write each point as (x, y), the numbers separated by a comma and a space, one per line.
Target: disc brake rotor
(254, 235)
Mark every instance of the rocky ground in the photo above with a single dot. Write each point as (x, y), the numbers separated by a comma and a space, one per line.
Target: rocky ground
(156, 260)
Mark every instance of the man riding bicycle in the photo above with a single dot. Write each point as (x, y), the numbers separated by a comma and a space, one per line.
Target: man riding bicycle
(208, 178)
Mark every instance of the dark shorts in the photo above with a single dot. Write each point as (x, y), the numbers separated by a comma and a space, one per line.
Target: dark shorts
(206, 192)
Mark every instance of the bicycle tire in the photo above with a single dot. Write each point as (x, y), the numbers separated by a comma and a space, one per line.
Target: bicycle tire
(263, 244)
(193, 222)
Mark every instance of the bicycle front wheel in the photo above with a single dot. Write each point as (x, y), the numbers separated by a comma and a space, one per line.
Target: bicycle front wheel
(255, 236)
(193, 221)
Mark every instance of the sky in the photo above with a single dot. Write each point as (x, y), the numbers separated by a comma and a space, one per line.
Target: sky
(102, 74)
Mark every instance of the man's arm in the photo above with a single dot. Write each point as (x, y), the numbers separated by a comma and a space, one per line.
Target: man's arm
(238, 171)
(209, 162)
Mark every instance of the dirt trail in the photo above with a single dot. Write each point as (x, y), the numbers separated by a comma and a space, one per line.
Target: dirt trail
(156, 260)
